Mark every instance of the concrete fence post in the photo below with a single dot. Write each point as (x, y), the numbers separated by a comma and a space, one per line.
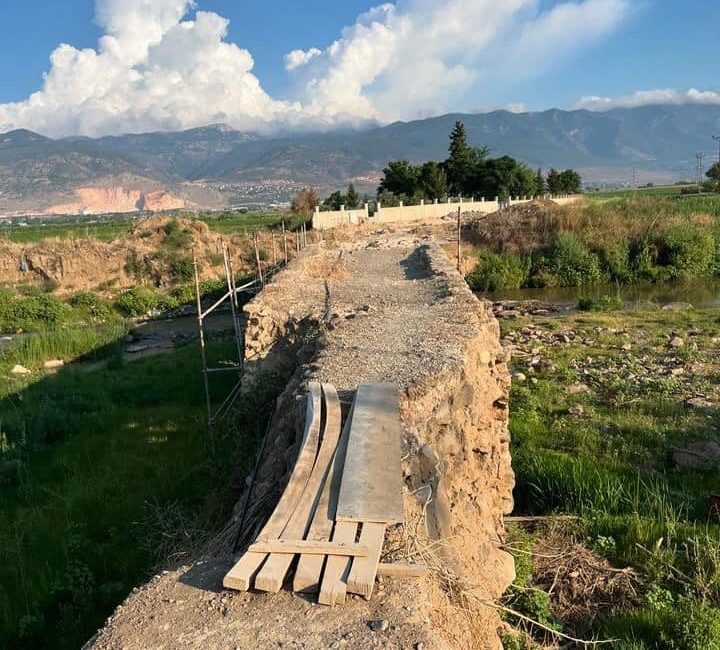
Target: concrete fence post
(342, 208)
(497, 199)
(402, 204)
(482, 199)
(317, 209)
(422, 201)
(435, 201)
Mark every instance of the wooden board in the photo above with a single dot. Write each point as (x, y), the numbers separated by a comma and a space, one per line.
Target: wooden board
(271, 576)
(241, 575)
(395, 570)
(295, 547)
(333, 588)
(371, 487)
(364, 569)
(309, 568)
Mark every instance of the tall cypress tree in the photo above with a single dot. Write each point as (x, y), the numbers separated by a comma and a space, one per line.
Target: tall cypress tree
(459, 164)
(539, 183)
(353, 198)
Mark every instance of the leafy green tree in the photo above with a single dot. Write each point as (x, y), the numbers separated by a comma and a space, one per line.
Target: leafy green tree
(570, 182)
(539, 183)
(460, 163)
(554, 184)
(335, 201)
(400, 178)
(352, 200)
(714, 175)
(434, 180)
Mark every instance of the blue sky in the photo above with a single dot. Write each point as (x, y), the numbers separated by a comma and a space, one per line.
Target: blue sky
(409, 59)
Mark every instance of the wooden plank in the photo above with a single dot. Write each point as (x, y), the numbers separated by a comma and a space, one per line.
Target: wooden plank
(241, 575)
(295, 547)
(364, 569)
(271, 576)
(397, 570)
(333, 587)
(309, 568)
(371, 487)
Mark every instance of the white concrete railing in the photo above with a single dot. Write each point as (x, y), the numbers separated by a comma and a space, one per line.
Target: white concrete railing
(424, 211)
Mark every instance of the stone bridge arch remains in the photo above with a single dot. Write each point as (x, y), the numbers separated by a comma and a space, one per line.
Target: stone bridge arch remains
(391, 308)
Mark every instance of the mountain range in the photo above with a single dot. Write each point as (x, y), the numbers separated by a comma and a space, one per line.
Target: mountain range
(216, 166)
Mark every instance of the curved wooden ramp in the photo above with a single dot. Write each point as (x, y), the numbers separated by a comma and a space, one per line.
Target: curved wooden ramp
(345, 488)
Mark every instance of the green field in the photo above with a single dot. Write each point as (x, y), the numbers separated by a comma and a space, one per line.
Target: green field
(657, 190)
(230, 223)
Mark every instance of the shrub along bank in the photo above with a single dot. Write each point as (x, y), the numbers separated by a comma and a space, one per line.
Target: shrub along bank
(649, 239)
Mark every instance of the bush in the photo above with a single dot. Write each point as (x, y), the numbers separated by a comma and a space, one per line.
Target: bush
(569, 263)
(687, 252)
(93, 304)
(498, 272)
(603, 303)
(181, 269)
(176, 237)
(137, 301)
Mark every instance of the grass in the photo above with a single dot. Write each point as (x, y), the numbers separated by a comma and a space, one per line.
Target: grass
(657, 190)
(604, 453)
(106, 472)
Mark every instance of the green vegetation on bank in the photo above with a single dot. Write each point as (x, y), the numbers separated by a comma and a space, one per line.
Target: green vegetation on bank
(639, 239)
(106, 468)
(639, 387)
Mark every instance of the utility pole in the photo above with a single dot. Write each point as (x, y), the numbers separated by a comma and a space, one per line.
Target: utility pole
(700, 170)
(717, 139)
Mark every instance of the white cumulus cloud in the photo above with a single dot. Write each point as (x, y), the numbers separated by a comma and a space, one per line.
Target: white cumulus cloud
(650, 97)
(162, 65)
(297, 58)
(415, 57)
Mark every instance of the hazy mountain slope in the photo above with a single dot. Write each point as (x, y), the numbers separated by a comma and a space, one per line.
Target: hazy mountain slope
(218, 161)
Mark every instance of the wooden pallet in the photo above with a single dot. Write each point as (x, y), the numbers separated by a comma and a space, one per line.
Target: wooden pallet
(344, 490)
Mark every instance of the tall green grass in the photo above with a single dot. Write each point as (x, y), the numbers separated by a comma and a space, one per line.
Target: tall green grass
(104, 473)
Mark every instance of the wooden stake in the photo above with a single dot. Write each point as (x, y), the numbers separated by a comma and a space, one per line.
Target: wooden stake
(285, 246)
(458, 239)
(201, 330)
(257, 260)
(274, 249)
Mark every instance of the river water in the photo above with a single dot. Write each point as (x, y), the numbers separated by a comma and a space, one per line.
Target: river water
(702, 292)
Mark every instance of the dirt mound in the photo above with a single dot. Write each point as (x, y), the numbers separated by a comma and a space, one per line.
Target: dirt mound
(521, 228)
(146, 254)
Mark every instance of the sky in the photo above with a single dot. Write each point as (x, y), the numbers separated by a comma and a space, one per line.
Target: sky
(97, 67)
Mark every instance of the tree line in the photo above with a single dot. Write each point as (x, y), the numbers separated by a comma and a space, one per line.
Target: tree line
(470, 171)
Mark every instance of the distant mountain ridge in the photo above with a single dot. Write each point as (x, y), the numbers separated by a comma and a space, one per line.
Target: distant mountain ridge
(216, 165)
